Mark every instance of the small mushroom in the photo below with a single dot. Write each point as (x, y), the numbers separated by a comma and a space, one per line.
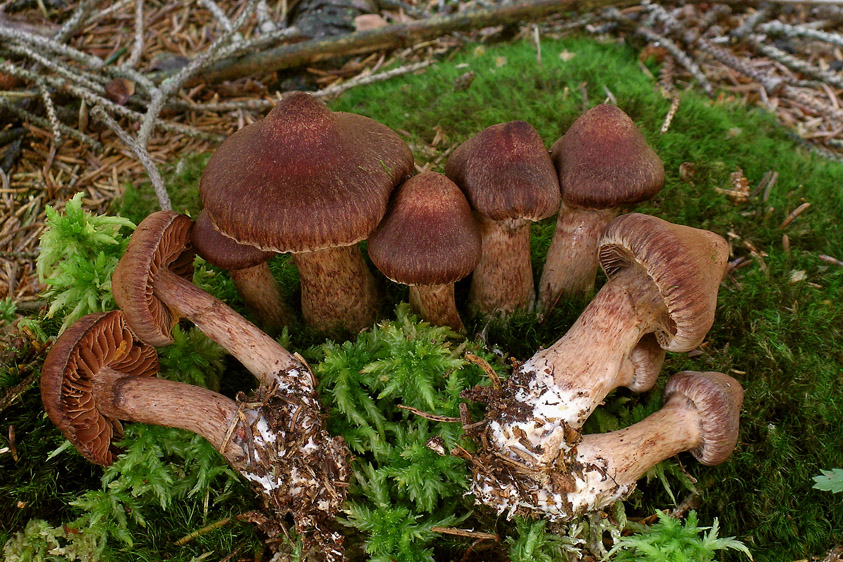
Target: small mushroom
(604, 163)
(663, 280)
(701, 415)
(98, 372)
(151, 286)
(508, 177)
(249, 269)
(314, 183)
(428, 240)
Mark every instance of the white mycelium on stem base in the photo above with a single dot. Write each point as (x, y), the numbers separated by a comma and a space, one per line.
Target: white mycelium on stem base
(299, 468)
(700, 415)
(663, 280)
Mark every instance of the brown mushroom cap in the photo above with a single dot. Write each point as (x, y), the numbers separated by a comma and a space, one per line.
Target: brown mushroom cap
(685, 263)
(304, 178)
(604, 161)
(428, 236)
(92, 343)
(717, 398)
(161, 240)
(506, 173)
(220, 250)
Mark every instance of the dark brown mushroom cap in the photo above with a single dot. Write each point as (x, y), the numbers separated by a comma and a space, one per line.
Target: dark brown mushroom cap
(506, 173)
(304, 178)
(604, 161)
(161, 240)
(717, 398)
(93, 342)
(220, 250)
(428, 236)
(685, 263)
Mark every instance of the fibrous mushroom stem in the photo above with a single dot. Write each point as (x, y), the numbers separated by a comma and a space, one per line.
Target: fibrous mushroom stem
(556, 390)
(261, 293)
(503, 279)
(571, 265)
(261, 355)
(436, 304)
(338, 292)
(171, 404)
(615, 461)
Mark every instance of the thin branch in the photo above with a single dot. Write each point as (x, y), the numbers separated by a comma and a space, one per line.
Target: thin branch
(796, 64)
(171, 85)
(140, 152)
(51, 113)
(137, 48)
(372, 78)
(74, 21)
(45, 124)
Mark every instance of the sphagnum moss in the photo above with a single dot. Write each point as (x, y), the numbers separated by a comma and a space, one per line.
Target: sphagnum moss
(778, 324)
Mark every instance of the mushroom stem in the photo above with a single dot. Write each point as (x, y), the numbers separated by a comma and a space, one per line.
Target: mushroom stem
(557, 389)
(262, 295)
(503, 279)
(338, 292)
(436, 304)
(614, 461)
(260, 354)
(172, 404)
(571, 264)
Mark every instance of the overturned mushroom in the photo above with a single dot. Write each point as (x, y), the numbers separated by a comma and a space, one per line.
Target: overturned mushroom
(701, 414)
(663, 280)
(314, 183)
(428, 240)
(249, 269)
(604, 163)
(98, 372)
(508, 177)
(310, 482)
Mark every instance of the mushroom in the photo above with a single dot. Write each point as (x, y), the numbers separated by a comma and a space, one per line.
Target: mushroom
(151, 286)
(312, 182)
(428, 240)
(98, 372)
(663, 280)
(701, 415)
(249, 269)
(508, 177)
(604, 163)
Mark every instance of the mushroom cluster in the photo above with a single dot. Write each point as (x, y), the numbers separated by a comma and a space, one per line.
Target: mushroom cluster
(314, 183)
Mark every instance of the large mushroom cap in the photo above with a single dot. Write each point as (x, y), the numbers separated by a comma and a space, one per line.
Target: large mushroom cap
(717, 398)
(685, 263)
(161, 241)
(604, 161)
(506, 173)
(67, 379)
(428, 236)
(304, 178)
(220, 250)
